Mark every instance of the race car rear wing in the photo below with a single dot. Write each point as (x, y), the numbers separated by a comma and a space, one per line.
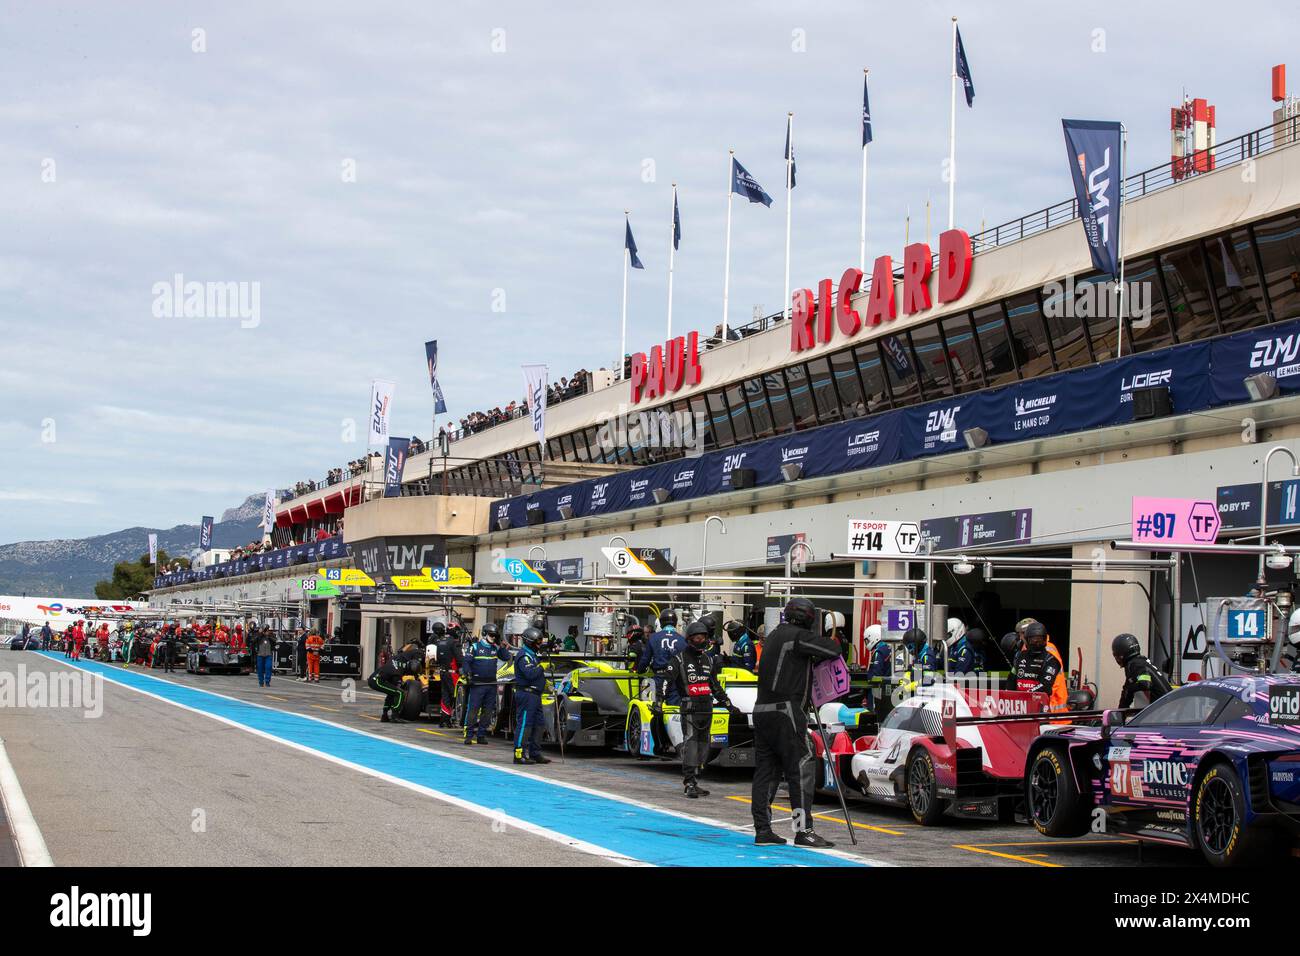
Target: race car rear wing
(950, 721)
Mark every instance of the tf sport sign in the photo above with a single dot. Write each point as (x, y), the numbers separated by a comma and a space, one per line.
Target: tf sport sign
(869, 538)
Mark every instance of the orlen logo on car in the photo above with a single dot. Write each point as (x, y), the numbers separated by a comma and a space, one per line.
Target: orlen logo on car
(1144, 380)
(1000, 707)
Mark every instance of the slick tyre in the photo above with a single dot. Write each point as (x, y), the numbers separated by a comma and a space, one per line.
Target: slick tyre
(414, 699)
(634, 733)
(1053, 802)
(1218, 819)
(923, 789)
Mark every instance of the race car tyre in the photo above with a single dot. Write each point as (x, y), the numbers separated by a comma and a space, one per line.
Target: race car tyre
(1052, 799)
(923, 789)
(634, 734)
(1218, 818)
(413, 700)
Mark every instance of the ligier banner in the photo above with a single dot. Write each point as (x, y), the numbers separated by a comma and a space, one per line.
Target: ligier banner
(1094, 149)
(535, 389)
(394, 462)
(381, 406)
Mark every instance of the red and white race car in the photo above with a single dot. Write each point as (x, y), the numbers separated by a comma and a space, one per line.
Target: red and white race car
(950, 748)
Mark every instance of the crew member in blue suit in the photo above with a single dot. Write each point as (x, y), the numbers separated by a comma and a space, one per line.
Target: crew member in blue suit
(742, 645)
(481, 663)
(530, 681)
(967, 655)
(663, 645)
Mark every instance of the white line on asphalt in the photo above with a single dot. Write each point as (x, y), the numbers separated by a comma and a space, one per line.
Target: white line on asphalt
(27, 835)
(599, 851)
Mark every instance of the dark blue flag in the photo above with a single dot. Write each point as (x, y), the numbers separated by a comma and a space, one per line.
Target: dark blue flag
(1093, 148)
(394, 462)
(431, 356)
(205, 533)
(789, 150)
(747, 185)
(677, 223)
(896, 354)
(866, 113)
(963, 71)
(630, 244)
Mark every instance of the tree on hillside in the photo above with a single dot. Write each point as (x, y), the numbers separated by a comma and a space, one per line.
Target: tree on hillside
(132, 578)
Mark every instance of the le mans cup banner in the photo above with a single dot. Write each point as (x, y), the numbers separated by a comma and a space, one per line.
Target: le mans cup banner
(535, 389)
(381, 406)
(1094, 150)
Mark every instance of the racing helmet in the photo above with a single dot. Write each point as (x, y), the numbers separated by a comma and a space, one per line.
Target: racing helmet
(635, 632)
(532, 637)
(1009, 645)
(914, 638)
(873, 633)
(698, 634)
(1035, 636)
(800, 612)
(1293, 627)
(491, 631)
(976, 637)
(734, 629)
(1023, 624)
(668, 619)
(439, 629)
(956, 630)
(1125, 647)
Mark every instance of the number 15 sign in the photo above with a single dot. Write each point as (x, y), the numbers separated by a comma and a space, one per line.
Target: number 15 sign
(1175, 521)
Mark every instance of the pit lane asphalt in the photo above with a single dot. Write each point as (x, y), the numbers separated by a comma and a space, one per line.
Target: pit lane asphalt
(124, 789)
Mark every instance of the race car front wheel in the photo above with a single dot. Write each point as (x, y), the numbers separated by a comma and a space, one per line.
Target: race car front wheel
(1055, 806)
(923, 790)
(1219, 813)
(634, 733)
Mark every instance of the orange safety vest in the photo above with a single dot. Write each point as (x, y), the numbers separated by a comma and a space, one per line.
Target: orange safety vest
(314, 643)
(1060, 694)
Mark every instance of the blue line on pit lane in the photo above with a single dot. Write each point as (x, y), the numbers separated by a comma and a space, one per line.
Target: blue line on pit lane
(637, 832)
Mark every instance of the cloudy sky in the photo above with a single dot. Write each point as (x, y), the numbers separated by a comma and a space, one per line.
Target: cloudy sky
(386, 173)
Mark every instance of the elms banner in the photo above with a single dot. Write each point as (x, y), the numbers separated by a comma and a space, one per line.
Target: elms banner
(535, 389)
(153, 549)
(381, 406)
(1094, 149)
(431, 357)
(205, 533)
(394, 462)
(268, 511)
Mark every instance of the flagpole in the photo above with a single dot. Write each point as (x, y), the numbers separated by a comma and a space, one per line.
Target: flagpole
(789, 190)
(726, 269)
(622, 342)
(672, 243)
(862, 231)
(1119, 238)
(952, 130)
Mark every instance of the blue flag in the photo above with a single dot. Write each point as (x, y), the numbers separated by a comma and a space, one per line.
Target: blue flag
(747, 185)
(431, 355)
(963, 71)
(677, 222)
(866, 113)
(394, 462)
(630, 244)
(1093, 148)
(789, 150)
(205, 533)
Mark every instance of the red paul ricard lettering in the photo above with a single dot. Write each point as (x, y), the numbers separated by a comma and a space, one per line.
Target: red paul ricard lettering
(815, 319)
(669, 367)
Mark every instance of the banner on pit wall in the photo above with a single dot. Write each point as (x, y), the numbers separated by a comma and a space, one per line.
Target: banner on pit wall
(346, 577)
(431, 579)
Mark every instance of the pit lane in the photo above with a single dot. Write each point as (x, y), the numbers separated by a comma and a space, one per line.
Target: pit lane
(72, 767)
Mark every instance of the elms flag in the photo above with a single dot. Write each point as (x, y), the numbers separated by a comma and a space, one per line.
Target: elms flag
(394, 462)
(866, 113)
(381, 407)
(535, 391)
(630, 244)
(268, 511)
(431, 356)
(153, 549)
(677, 222)
(789, 150)
(205, 533)
(963, 71)
(746, 185)
(1093, 147)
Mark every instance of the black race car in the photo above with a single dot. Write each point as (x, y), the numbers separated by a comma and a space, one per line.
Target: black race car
(205, 658)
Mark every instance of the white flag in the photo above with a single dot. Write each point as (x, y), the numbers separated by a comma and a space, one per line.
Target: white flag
(535, 389)
(381, 406)
(153, 549)
(268, 511)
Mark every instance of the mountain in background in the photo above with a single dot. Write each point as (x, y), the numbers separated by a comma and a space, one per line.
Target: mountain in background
(69, 568)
